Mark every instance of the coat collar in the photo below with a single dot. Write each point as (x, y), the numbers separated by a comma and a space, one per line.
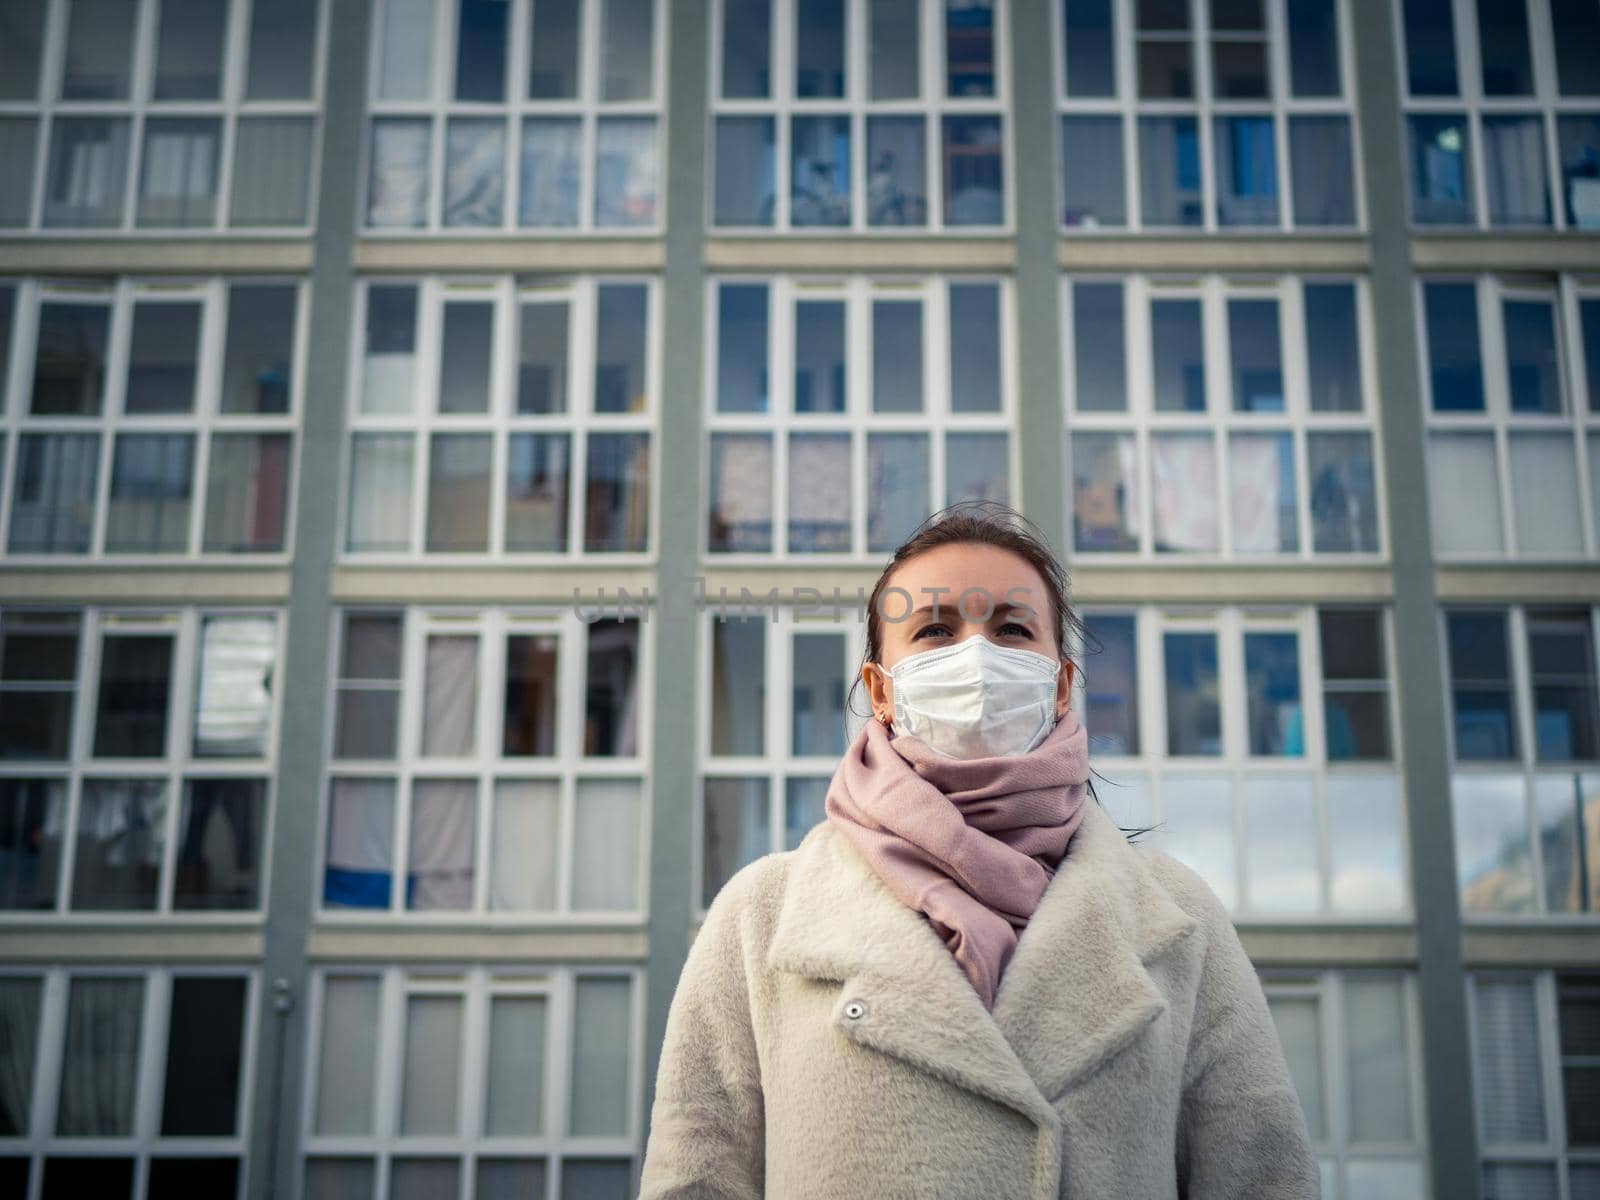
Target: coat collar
(1073, 994)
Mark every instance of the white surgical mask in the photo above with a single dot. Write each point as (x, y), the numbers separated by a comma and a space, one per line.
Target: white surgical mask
(975, 699)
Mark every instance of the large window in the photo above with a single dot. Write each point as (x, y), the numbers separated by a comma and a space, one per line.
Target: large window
(186, 115)
(431, 1082)
(1260, 743)
(502, 418)
(1512, 380)
(1526, 725)
(125, 1083)
(1502, 111)
(494, 115)
(859, 114)
(1224, 418)
(491, 761)
(149, 418)
(137, 751)
(1353, 1040)
(1535, 1066)
(842, 413)
(1205, 114)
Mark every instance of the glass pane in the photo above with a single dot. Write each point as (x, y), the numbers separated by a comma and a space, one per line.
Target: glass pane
(897, 171)
(481, 50)
(397, 190)
(819, 353)
(601, 1035)
(1544, 494)
(803, 803)
(525, 846)
(8, 300)
(551, 172)
(1333, 347)
(897, 356)
(475, 172)
(1578, 140)
(1577, 31)
(974, 177)
(605, 846)
(819, 493)
(380, 492)
(1521, 1181)
(1561, 652)
(1441, 170)
(189, 58)
(1094, 191)
(738, 685)
(1105, 492)
(1272, 694)
(819, 171)
(1565, 807)
(233, 696)
(219, 846)
(969, 47)
(745, 156)
(69, 363)
(530, 700)
(620, 340)
(627, 50)
(611, 697)
(19, 1026)
(1090, 54)
(740, 512)
(1257, 357)
(52, 501)
(450, 696)
(1321, 166)
(360, 850)
(282, 35)
(32, 819)
(1239, 70)
(1198, 818)
(424, 1178)
(1355, 693)
(819, 48)
(1298, 1020)
(391, 348)
(1280, 845)
(1430, 47)
(205, 1057)
(135, 682)
(258, 360)
(894, 36)
(1378, 1060)
(1314, 48)
(161, 358)
(1514, 171)
(88, 171)
(441, 864)
(1099, 348)
(178, 178)
(511, 1179)
(974, 347)
(1194, 703)
(625, 171)
(542, 358)
(538, 470)
(817, 721)
(1165, 70)
(1533, 368)
(553, 51)
(747, 49)
(1178, 347)
(1503, 43)
(1464, 494)
(595, 1178)
(1366, 846)
(1454, 365)
(468, 347)
(736, 829)
(39, 652)
(99, 49)
(21, 48)
(100, 1060)
(897, 487)
(339, 1179)
(405, 62)
(1183, 492)
(514, 1092)
(431, 1070)
(976, 467)
(1261, 488)
(1247, 171)
(1111, 685)
(458, 492)
(617, 493)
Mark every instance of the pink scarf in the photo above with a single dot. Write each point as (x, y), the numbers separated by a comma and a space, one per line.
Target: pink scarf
(971, 843)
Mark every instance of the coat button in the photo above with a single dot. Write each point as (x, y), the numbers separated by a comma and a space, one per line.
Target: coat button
(855, 1010)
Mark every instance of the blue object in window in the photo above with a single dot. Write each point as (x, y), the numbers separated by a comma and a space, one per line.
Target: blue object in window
(343, 887)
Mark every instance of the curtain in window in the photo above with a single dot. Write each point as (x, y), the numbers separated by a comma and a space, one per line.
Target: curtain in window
(451, 696)
(380, 492)
(625, 171)
(819, 491)
(1183, 492)
(53, 507)
(271, 171)
(398, 191)
(178, 183)
(443, 844)
(1261, 480)
(100, 1065)
(235, 694)
(525, 845)
(1544, 493)
(1513, 168)
(475, 172)
(1509, 1087)
(19, 1035)
(605, 869)
(360, 844)
(88, 171)
(407, 53)
(121, 832)
(550, 172)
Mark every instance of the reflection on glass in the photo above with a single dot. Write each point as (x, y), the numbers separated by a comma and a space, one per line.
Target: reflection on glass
(1193, 696)
(1105, 492)
(1280, 845)
(553, 50)
(99, 50)
(537, 470)
(189, 58)
(736, 829)
(1169, 171)
(1366, 845)
(1441, 170)
(475, 172)
(1197, 811)
(550, 172)
(897, 487)
(1568, 811)
(1111, 684)
(1093, 191)
(627, 41)
(897, 171)
(803, 808)
(819, 493)
(1272, 694)
(819, 171)
(743, 191)
(816, 722)
(740, 511)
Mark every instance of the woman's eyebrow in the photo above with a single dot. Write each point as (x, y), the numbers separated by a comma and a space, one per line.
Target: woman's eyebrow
(1025, 610)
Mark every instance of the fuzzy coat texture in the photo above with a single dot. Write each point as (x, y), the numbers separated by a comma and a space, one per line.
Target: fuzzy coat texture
(823, 1044)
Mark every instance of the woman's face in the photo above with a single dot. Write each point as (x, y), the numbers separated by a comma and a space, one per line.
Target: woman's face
(1004, 587)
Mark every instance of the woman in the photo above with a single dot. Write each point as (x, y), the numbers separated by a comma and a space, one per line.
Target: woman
(965, 982)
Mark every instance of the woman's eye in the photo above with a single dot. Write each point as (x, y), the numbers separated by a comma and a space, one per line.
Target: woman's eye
(1022, 629)
(934, 625)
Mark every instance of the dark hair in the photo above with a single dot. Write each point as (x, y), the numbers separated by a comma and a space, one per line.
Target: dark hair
(988, 523)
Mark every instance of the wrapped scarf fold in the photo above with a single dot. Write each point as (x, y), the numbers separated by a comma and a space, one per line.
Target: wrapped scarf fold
(970, 843)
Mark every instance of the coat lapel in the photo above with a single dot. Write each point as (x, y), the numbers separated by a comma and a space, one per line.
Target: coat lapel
(1074, 993)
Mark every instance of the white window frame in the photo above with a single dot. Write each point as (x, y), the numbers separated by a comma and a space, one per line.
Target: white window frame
(475, 985)
(442, 106)
(579, 421)
(1152, 772)
(177, 767)
(1280, 104)
(937, 421)
(1220, 421)
(204, 423)
(1578, 419)
(146, 1141)
(228, 109)
(568, 767)
(933, 105)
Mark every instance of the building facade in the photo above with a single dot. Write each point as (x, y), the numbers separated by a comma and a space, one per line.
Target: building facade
(421, 422)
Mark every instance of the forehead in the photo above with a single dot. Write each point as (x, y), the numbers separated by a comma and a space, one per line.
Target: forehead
(958, 567)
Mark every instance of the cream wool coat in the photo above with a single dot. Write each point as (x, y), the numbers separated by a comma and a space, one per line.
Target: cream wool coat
(823, 1044)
